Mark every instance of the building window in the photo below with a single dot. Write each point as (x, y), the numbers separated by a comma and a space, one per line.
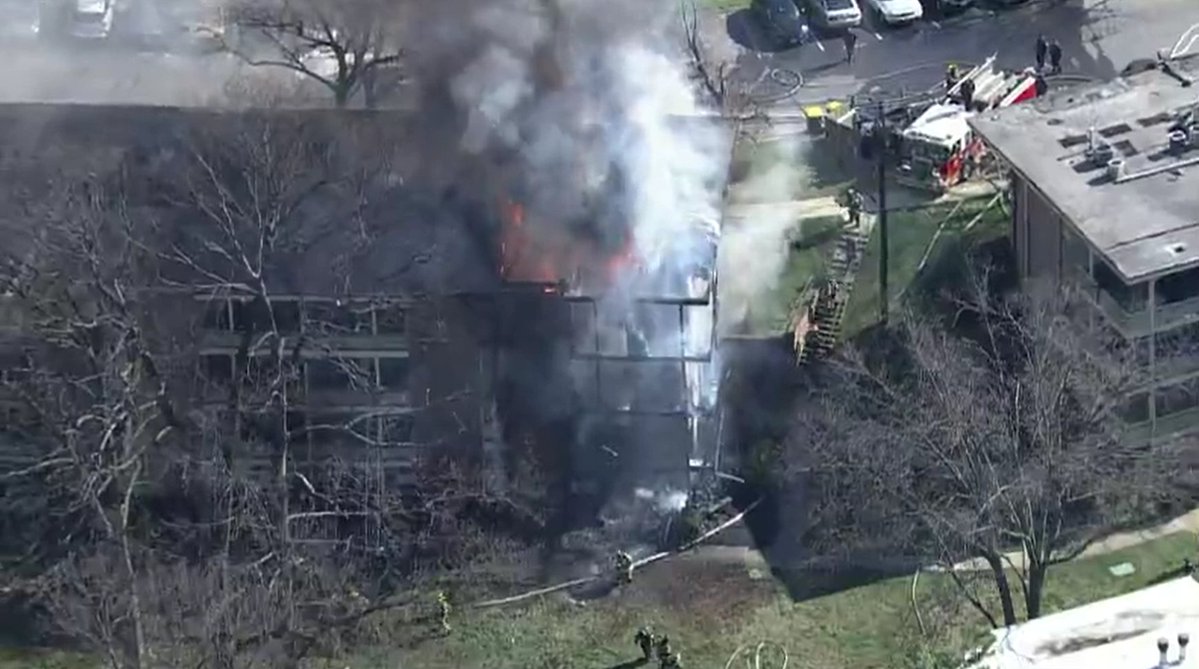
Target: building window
(393, 373)
(332, 318)
(1176, 398)
(287, 315)
(1178, 287)
(340, 374)
(217, 368)
(396, 430)
(1136, 409)
(391, 320)
(216, 315)
(1130, 298)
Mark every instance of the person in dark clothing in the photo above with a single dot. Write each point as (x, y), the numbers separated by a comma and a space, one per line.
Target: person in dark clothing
(1041, 84)
(645, 641)
(1055, 57)
(951, 76)
(851, 43)
(1042, 51)
(967, 93)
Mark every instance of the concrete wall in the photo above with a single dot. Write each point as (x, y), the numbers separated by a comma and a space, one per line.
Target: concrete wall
(1037, 232)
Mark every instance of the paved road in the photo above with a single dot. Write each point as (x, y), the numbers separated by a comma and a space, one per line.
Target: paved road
(1098, 38)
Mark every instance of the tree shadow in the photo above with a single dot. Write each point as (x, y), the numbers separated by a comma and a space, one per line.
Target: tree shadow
(639, 662)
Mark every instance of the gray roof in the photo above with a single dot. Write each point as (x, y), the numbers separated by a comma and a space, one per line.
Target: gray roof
(1147, 222)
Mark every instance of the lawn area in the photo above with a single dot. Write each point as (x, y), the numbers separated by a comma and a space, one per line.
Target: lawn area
(724, 5)
(861, 628)
(709, 610)
(910, 233)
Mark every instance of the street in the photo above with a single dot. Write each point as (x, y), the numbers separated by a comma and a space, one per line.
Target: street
(1098, 38)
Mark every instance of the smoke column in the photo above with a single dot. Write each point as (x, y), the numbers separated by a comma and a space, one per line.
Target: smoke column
(582, 100)
(584, 114)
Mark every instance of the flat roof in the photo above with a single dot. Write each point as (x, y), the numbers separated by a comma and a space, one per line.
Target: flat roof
(1116, 633)
(1147, 222)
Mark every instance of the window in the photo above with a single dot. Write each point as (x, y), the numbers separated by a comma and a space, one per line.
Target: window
(1176, 398)
(340, 374)
(216, 315)
(287, 315)
(391, 320)
(217, 368)
(394, 430)
(338, 318)
(1177, 287)
(393, 373)
(1136, 410)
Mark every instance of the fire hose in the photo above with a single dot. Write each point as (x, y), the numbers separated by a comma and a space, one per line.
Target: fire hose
(643, 562)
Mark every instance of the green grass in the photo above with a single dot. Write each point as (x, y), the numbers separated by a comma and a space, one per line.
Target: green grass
(709, 611)
(910, 233)
(723, 5)
(861, 628)
(796, 165)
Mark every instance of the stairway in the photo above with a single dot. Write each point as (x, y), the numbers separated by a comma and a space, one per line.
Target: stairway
(828, 311)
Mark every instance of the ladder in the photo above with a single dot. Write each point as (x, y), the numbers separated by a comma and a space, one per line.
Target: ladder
(828, 311)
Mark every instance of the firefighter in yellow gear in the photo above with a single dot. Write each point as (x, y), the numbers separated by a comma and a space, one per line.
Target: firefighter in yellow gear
(443, 611)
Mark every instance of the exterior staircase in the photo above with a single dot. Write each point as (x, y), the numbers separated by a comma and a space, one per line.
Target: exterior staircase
(828, 308)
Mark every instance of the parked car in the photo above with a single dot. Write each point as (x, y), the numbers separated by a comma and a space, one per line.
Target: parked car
(92, 19)
(836, 14)
(781, 20)
(896, 12)
(939, 8)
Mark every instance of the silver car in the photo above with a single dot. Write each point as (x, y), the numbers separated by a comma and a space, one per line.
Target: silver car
(836, 14)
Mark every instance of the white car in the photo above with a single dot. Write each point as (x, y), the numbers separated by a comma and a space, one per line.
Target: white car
(897, 12)
(92, 19)
(835, 14)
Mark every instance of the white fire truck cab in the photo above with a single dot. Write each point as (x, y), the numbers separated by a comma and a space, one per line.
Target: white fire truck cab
(939, 149)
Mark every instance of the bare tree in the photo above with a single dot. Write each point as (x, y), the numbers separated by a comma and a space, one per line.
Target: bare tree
(169, 549)
(715, 77)
(345, 46)
(1000, 432)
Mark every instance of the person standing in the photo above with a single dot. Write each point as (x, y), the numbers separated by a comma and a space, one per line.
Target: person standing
(624, 567)
(443, 611)
(1055, 57)
(1042, 51)
(951, 77)
(645, 641)
(851, 43)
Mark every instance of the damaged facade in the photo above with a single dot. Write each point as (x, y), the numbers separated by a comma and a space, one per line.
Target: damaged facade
(471, 346)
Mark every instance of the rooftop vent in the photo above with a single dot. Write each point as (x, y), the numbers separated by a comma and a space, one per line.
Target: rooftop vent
(1180, 141)
(1100, 153)
(1117, 129)
(1115, 169)
(1163, 648)
(1183, 640)
(1177, 249)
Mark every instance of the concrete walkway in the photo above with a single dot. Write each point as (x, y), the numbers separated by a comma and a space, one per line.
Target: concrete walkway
(757, 567)
(1187, 522)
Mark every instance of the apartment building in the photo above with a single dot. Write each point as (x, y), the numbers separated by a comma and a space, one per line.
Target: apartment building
(1105, 185)
(388, 364)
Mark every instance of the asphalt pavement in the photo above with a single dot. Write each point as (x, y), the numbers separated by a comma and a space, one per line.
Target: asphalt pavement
(1098, 37)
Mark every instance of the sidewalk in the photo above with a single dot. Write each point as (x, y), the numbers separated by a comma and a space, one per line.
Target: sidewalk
(1188, 522)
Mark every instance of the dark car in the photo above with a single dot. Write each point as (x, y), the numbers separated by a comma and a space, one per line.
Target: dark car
(781, 20)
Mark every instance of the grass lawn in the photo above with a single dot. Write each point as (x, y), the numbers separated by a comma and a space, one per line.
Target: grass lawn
(710, 610)
(709, 613)
(723, 5)
(910, 233)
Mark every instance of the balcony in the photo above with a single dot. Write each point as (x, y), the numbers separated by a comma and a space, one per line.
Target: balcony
(1131, 315)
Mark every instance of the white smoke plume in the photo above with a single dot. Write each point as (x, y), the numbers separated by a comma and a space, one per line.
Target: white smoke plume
(584, 99)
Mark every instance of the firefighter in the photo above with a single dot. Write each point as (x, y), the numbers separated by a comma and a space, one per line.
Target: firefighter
(663, 649)
(1042, 51)
(966, 92)
(851, 43)
(645, 641)
(443, 611)
(624, 567)
(853, 205)
(671, 661)
(1055, 57)
(951, 76)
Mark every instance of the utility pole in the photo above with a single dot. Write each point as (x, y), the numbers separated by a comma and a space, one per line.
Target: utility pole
(882, 146)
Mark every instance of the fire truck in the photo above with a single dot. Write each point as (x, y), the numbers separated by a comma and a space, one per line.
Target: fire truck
(939, 150)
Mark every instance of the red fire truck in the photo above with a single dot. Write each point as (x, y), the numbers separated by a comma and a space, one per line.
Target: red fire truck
(939, 149)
